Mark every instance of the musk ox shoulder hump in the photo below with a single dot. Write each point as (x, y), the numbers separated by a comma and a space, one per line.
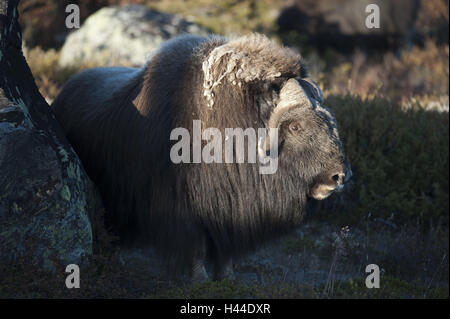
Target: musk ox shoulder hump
(236, 60)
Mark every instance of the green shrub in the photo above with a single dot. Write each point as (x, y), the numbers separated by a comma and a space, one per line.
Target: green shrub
(400, 163)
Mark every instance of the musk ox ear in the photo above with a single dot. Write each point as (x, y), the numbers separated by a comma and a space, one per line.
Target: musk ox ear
(249, 59)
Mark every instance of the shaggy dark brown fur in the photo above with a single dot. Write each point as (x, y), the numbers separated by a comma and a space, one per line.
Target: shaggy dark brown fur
(119, 121)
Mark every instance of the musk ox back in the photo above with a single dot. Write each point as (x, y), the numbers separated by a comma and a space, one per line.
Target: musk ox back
(119, 120)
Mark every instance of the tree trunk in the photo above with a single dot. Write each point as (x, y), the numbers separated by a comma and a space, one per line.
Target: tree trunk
(45, 195)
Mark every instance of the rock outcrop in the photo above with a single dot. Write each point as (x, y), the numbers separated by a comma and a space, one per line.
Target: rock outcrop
(123, 35)
(340, 24)
(45, 195)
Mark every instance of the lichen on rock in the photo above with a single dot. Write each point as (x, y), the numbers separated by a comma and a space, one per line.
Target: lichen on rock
(45, 195)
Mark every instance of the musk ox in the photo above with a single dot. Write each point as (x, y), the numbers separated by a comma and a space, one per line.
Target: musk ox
(119, 121)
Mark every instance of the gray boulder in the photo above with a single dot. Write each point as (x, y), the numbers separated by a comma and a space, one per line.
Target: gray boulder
(45, 195)
(341, 23)
(123, 35)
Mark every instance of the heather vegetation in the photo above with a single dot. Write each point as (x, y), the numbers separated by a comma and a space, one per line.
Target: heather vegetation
(392, 112)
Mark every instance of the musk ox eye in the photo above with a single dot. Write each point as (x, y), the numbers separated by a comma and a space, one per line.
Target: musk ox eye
(295, 127)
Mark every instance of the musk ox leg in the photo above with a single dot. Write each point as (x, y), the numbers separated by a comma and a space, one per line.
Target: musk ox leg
(224, 270)
(199, 273)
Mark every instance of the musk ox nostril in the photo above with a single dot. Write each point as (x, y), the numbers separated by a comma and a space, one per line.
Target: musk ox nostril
(338, 178)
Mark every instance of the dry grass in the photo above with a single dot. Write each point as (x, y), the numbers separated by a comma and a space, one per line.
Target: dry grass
(412, 75)
(48, 75)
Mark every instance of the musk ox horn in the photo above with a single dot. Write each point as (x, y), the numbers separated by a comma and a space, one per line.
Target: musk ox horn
(291, 95)
(294, 93)
(244, 60)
